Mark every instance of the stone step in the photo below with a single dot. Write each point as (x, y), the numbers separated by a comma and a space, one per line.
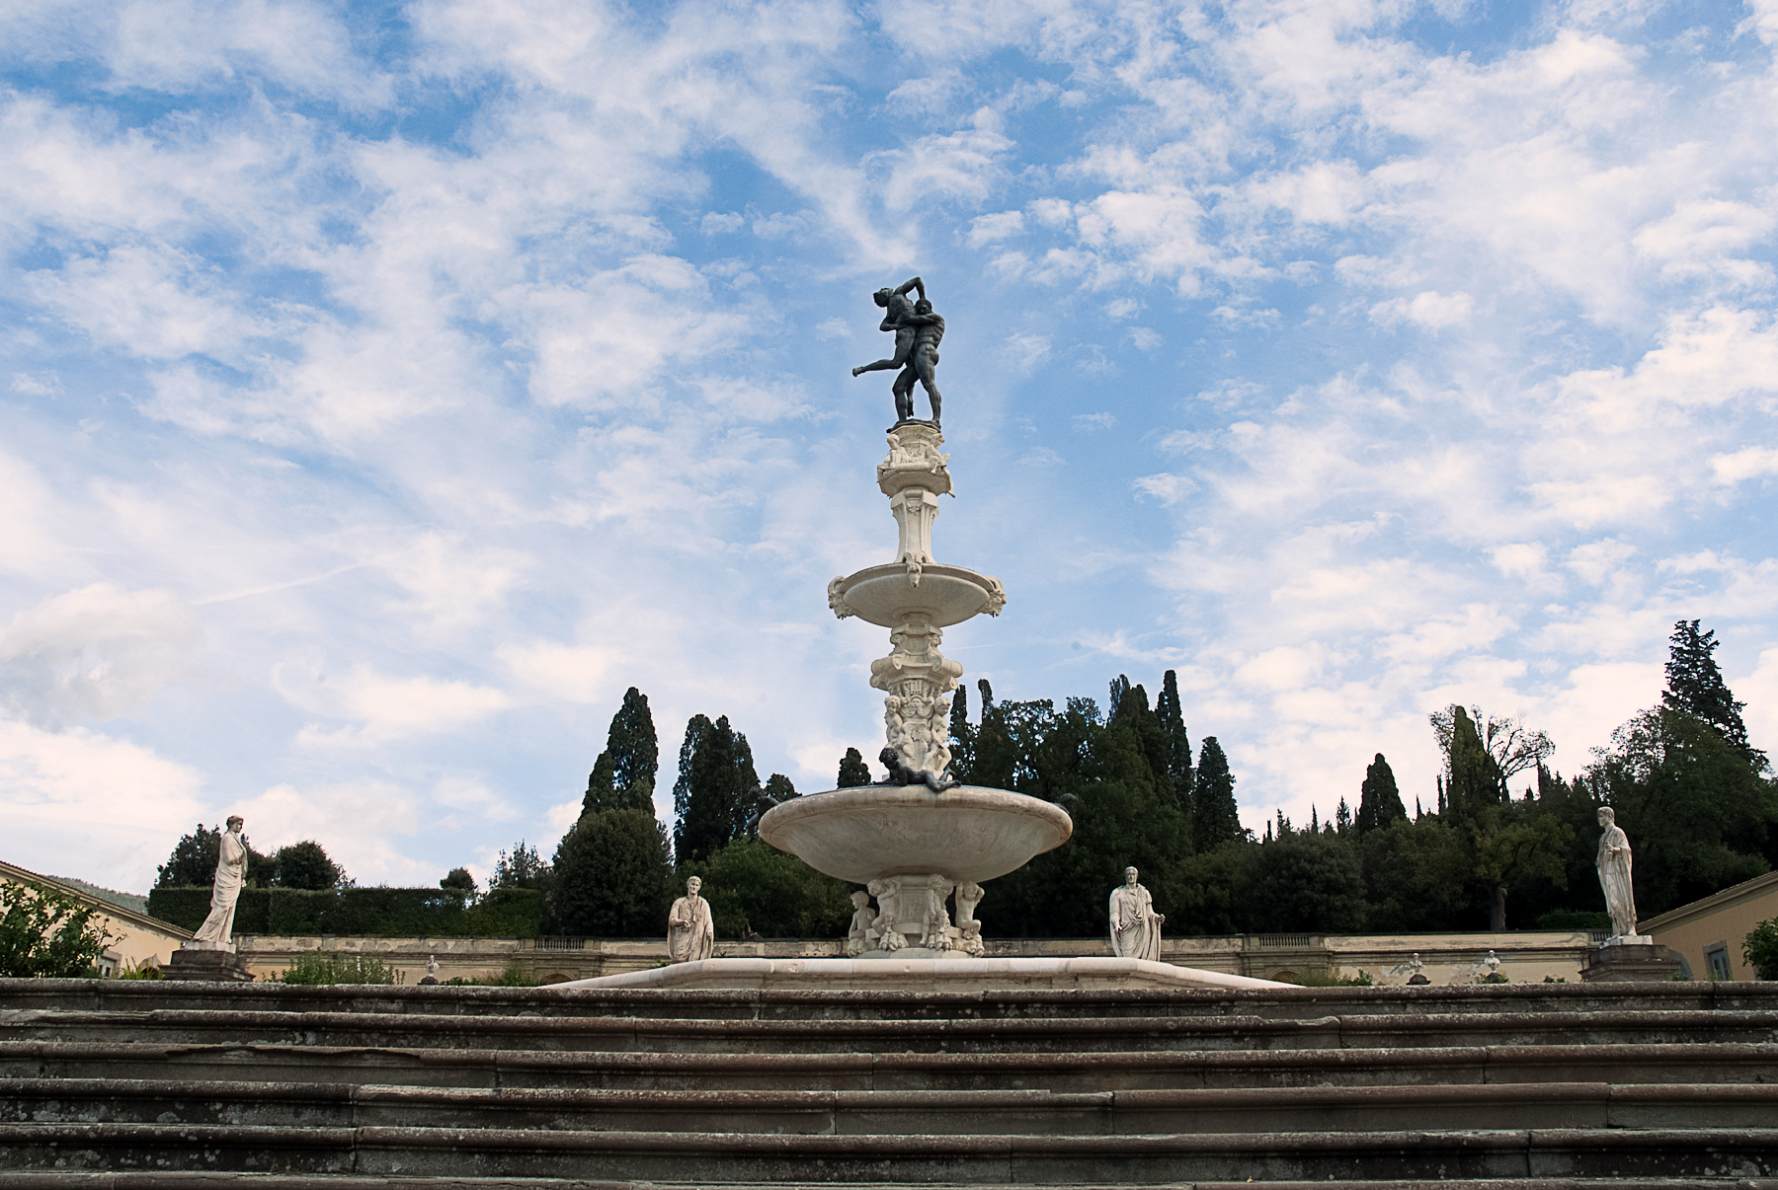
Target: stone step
(1289, 1109)
(147, 1180)
(801, 1004)
(1095, 1070)
(918, 1159)
(691, 1035)
(150, 1180)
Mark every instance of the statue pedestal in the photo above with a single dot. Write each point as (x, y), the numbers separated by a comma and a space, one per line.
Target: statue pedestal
(1632, 958)
(208, 962)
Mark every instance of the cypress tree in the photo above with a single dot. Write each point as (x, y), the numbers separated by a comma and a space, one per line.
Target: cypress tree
(717, 796)
(1342, 816)
(623, 776)
(1167, 709)
(1472, 776)
(853, 770)
(1695, 687)
(1120, 686)
(962, 736)
(1215, 817)
(1379, 801)
(1314, 821)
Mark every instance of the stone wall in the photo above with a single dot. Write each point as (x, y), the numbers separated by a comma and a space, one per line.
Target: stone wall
(1525, 956)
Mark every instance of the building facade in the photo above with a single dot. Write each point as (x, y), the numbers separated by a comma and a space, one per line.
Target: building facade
(1707, 934)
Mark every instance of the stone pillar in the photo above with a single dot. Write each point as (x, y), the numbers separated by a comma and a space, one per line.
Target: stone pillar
(915, 676)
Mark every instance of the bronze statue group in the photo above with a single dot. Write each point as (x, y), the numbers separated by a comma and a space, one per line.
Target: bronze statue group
(918, 332)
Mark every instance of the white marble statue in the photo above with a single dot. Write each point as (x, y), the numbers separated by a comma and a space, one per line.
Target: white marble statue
(1614, 875)
(860, 937)
(968, 895)
(1135, 926)
(883, 925)
(690, 935)
(217, 932)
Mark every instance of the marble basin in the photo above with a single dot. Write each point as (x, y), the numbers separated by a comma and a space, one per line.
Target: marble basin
(966, 833)
(886, 595)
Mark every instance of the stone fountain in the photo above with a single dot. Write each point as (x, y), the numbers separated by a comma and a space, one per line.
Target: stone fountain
(918, 842)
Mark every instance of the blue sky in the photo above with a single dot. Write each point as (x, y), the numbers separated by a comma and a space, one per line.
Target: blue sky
(384, 389)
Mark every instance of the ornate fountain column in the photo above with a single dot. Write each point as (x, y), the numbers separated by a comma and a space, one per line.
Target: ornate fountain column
(916, 597)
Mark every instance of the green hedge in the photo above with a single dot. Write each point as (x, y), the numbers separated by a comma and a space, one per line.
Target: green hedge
(362, 912)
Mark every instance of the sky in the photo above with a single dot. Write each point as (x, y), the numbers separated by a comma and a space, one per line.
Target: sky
(385, 388)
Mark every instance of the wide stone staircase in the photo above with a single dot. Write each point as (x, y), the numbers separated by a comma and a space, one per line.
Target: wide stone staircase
(109, 1083)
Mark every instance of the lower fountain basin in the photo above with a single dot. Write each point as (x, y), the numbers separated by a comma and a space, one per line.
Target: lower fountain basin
(966, 833)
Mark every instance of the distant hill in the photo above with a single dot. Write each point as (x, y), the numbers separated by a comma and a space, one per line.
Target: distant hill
(124, 900)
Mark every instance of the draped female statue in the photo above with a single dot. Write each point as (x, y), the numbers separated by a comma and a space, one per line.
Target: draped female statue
(1613, 863)
(217, 932)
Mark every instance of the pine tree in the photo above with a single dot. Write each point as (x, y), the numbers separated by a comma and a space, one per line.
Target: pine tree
(1167, 709)
(623, 777)
(853, 770)
(1216, 820)
(779, 789)
(1379, 801)
(306, 865)
(1695, 687)
(1342, 816)
(717, 796)
(522, 868)
(1314, 821)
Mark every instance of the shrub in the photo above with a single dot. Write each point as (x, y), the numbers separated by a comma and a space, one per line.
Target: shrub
(47, 933)
(1761, 949)
(322, 967)
(139, 971)
(363, 912)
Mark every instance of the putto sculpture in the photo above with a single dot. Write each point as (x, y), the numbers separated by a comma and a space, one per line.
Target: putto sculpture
(690, 934)
(1135, 926)
(1613, 863)
(217, 932)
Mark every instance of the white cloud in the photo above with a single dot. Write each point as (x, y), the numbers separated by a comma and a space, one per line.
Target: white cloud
(991, 229)
(1429, 310)
(64, 813)
(1739, 466)
(382, 708)
(564, 672)
(94, 653)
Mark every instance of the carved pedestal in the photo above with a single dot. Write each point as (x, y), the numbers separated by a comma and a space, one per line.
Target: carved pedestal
(1634, 958)
(209, 962)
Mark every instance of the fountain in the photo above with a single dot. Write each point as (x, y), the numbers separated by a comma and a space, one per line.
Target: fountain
(919, 839)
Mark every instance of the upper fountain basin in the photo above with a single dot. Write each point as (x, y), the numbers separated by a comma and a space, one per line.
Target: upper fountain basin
(889, 594)
(966, 833)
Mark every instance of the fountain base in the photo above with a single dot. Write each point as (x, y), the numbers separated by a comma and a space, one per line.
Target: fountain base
(954, 973)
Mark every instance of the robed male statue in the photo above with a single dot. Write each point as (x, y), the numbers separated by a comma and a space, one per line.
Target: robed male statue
(1135, 926)
(1613, 863)
(690, 935)
(231, 876)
